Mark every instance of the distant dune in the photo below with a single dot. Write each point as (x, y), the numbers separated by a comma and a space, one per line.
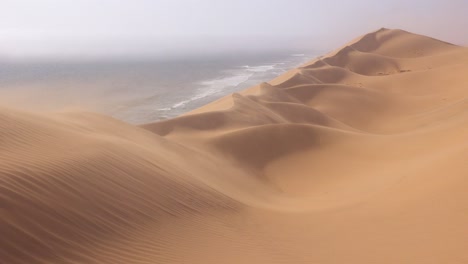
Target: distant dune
(360, 156)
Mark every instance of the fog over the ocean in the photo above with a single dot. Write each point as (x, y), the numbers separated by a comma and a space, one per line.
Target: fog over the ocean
(90, 28)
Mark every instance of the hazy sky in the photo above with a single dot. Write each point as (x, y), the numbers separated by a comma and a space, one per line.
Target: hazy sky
(37, 28)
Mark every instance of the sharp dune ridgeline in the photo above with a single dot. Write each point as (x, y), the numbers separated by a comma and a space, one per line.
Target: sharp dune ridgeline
(359, 156)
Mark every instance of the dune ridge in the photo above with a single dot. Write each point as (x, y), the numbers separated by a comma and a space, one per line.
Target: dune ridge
(359, 156)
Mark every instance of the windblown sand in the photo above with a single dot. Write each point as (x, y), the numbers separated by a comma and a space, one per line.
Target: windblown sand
(360, 157)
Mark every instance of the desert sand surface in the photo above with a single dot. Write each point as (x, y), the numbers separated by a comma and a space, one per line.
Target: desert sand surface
(360, 156)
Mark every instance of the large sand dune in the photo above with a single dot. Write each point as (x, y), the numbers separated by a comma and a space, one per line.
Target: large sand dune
(360, 156)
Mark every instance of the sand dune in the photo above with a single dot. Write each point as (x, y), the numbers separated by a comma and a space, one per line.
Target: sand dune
(359, 156)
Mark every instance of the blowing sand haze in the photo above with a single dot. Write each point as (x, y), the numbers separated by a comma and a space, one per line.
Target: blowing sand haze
(357, 157)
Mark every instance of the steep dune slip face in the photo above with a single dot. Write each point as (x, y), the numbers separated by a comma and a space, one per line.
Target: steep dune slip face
(360, 156)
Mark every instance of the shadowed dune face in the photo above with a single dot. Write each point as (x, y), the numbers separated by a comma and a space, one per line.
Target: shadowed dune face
(64, 189)
(356, 157)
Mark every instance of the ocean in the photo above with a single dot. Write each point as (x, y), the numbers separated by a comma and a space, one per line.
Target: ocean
(139, 91)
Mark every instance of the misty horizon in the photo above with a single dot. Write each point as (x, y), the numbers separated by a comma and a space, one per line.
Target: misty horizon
(162, 29)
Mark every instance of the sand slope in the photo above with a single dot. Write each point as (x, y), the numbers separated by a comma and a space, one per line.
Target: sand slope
(360, 156)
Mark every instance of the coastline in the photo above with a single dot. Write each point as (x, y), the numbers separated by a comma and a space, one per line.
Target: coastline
(358, 156)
